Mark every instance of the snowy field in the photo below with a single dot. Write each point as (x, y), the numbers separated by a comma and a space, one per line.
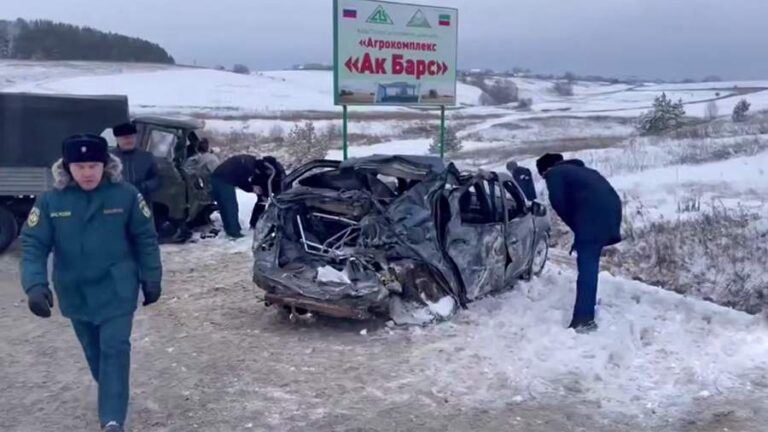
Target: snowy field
(209, 356)
(171, 89)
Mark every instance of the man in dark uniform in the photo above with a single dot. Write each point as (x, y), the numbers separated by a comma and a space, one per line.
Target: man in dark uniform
(591, 208)
(105, 248)
(139, 166)
(249, 174)
(523, 178)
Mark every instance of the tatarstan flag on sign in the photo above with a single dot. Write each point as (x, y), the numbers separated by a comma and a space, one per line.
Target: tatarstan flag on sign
(445, 20)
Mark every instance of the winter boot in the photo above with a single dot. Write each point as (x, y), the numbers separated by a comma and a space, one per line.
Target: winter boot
(583, 327)
(113, 427)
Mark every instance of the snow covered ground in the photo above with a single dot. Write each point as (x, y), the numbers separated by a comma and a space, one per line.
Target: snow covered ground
(172, 89)
(198, 91)
(210, 357)
(655, 354)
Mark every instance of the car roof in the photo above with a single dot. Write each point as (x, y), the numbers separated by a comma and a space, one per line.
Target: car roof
(433, 163)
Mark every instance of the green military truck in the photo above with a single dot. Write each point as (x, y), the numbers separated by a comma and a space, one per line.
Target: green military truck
(32, 127)
(184, 200)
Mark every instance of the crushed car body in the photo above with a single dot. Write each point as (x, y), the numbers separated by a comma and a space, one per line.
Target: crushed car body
(375, 236)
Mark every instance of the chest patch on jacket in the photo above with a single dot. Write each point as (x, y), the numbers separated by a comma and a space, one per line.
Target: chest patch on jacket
(61, 214)
(112, 211)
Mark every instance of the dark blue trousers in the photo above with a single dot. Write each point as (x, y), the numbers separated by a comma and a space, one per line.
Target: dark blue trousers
(588, 262)
(226, 197)
(107, 348)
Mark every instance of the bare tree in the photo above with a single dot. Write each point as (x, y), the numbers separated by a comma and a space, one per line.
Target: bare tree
(277, 133)
(525, 103)
(303, 144)
(711, 111)
(563, 88)
(241, 69)
(486, 99)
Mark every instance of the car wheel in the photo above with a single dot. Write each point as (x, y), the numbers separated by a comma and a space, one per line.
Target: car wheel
(539, 258)
(9, 228)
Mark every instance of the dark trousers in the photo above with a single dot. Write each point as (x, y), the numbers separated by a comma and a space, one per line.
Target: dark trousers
(226, 197)
(258, 209)
(107, 348)
(588, 262)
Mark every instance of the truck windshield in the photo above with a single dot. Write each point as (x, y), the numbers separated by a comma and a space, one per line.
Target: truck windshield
(161, 143)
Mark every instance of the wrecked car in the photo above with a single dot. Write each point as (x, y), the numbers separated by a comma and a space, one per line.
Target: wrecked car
(393, 236)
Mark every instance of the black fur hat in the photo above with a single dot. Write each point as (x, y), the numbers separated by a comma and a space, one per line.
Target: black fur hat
(124, 129)
(84, 148)
(547, 161)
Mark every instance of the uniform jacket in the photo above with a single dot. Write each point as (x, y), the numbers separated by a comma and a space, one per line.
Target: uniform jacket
(103, 242)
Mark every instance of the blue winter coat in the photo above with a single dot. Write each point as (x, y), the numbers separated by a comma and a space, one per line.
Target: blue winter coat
(103, 243)
(586, 202)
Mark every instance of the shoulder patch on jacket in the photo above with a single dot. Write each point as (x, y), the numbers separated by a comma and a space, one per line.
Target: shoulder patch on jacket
(144, 207)
(34, 217)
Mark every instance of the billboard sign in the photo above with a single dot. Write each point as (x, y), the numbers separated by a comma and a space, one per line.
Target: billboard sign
(394, 53)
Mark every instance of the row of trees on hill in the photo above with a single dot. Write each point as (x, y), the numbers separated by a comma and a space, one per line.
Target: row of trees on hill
(48, 40)
(667, 115)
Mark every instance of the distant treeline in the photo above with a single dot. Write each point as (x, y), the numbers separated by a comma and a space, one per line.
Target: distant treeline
(48, 40)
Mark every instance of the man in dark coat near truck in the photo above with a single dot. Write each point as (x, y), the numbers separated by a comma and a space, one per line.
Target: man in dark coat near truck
(105, 250)
(249, 174)
(139, 166)
(591, 208)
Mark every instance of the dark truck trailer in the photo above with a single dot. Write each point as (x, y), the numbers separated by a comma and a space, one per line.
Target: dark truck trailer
(32, 127)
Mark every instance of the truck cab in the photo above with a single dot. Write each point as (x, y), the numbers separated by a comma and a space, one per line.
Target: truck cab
(184, 199)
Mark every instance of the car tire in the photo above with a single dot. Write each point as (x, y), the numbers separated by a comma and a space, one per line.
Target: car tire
(9, 228)
(538, 259)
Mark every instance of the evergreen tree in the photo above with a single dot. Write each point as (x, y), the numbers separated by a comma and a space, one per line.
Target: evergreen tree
(452, 142)
(48, 40)
(740, 111)
(666, 115)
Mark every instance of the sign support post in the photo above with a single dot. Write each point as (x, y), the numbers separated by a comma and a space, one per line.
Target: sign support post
(442, 131)
(345, 142)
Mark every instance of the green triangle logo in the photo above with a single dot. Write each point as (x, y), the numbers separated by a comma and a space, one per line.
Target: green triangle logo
(380, 16)
(419, 20)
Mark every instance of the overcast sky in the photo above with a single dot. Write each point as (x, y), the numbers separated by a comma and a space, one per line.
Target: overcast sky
(671, 39)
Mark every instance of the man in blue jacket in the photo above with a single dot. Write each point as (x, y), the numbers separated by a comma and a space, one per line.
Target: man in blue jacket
(105, 248)
(591, 208)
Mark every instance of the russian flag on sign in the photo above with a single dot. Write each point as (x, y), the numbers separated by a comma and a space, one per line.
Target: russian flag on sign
(350, 13)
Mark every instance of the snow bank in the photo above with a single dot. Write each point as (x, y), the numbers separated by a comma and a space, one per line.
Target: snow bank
(654, 353)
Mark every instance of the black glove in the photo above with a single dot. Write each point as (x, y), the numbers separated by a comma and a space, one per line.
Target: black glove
(151, 292)
(40, 300)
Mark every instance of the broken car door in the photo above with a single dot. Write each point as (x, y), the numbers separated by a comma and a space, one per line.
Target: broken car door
(474, 238)
(520, 231)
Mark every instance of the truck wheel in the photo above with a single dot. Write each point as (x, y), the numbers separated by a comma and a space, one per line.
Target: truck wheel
(9, 228)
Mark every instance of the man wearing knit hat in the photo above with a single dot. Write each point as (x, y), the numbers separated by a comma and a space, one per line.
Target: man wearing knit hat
(139, 166)
(591, 208)
(105, 249)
